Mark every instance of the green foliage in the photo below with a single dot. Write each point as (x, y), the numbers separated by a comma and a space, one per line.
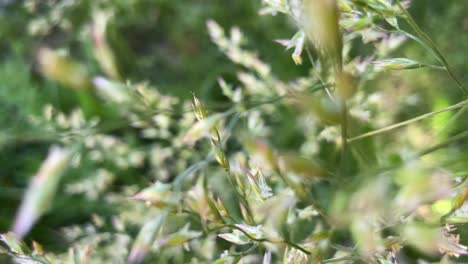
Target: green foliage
(346, 145)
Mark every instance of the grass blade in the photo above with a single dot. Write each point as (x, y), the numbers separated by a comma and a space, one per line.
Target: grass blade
(407, 122)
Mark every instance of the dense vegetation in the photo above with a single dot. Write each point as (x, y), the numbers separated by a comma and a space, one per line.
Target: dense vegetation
(274, 131)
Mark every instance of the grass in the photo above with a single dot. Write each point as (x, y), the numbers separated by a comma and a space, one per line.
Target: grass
(106, 160)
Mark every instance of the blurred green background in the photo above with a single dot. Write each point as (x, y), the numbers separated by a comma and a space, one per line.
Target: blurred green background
(166, 43)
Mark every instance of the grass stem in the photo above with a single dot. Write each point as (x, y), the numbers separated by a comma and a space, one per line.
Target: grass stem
(431, 44)
(407, 122)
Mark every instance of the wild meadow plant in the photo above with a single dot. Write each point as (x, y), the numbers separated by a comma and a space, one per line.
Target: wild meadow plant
(358, 185)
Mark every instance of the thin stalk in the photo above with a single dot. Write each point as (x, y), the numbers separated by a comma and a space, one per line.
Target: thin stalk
(27, 138)
(443, 144)
(434, 67)
(245, 202)
(407, 122)
(273, 241)
(340, 259)
(263, 239)
(424, 152)
(452, 120)
(244, 253)
(426, 46)
(411, 36)
(312, 62)
(431, 43)
(344, 136)
(179, 179)
(302, 195)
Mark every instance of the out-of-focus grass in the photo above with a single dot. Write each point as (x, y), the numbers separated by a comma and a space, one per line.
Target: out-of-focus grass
(166, 43)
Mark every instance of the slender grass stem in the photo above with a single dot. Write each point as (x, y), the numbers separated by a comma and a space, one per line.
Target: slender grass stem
(431, 43)
(344, 136)
(317, 74)
(263, 239)
(244, 253)
(407, 122)
(443, 144)
(452, 120)
(273, 241)
(340, 259)
(434, 67)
